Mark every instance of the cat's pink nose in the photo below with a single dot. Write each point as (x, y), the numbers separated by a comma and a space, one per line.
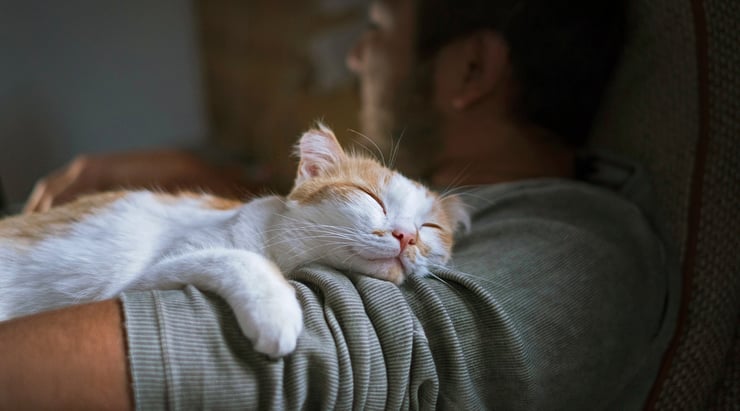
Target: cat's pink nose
(405, 238)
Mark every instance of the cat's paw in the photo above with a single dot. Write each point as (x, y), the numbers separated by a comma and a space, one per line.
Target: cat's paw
(274, 323)
(279, 332)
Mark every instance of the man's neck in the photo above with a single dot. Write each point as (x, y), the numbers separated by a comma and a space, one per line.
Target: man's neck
(495, 151)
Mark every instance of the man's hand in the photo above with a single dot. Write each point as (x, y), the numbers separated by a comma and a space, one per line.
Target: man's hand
(82, 175)
(166, 170)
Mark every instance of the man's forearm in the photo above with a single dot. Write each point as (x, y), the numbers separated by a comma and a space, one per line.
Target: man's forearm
(73, 358)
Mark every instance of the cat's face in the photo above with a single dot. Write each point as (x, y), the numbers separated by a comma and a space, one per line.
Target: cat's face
(357, 215)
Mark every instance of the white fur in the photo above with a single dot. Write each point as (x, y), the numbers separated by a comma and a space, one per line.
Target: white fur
(141, 242)
(339, 233)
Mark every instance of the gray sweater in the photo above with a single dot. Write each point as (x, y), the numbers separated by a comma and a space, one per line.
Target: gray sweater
(561, 297)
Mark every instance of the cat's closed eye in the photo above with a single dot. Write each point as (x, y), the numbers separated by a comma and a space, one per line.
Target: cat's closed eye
(374, 197)
(433, 225)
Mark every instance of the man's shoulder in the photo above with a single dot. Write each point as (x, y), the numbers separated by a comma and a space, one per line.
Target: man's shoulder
(551, 200)
(605, 187)
(555, 220)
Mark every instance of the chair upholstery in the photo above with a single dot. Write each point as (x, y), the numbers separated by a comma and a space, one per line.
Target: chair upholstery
(675, 106)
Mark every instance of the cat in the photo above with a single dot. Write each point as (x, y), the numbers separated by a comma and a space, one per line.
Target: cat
(345, 211)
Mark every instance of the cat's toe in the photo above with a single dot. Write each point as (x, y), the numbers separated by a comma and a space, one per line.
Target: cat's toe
(278, 344)
(274, 328)
(280, 332)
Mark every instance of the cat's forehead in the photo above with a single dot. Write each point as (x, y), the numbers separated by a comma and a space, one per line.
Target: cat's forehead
(403, 197)
(385, 180)
(365, 173)
(404, 190)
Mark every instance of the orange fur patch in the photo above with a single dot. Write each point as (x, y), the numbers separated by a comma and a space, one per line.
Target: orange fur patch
(442, 218)
(423, 248)
(355, 173)
(34, 227)
(395, 275)
(219, 203)
(208, 200)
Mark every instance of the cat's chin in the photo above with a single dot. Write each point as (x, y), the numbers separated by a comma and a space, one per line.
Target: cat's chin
(389, 269)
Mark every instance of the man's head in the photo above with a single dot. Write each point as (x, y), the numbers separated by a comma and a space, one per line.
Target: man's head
(561, 52)
(425, 64)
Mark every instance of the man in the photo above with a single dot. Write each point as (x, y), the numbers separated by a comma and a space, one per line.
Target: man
(557, 297)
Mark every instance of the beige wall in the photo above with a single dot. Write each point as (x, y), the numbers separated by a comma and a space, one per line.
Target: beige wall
(272, 67)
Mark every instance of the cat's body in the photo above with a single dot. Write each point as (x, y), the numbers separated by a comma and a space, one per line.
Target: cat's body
(344, 211)
(144, 240)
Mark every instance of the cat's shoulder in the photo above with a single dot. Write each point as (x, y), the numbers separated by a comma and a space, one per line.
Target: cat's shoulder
(190, 198)
(36, 226)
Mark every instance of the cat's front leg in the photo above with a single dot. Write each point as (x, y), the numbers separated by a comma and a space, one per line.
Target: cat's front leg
(263, 301)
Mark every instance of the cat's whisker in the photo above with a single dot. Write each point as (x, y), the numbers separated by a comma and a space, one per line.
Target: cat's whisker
(442, 280)
(305, 250)
(324, 229)
(369, 151)
(347, 258)
(288, 241)
(338, 246)
(318, 232)
(310, 247)
(377, 148)
(318, 228)
(315, 236)
(395, 148)
(348, 233)
(350, 267)
(460, 176)
(457, 190)
(287, 217)
(467, 194)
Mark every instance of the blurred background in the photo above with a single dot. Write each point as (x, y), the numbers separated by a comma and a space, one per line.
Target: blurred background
(247, 76)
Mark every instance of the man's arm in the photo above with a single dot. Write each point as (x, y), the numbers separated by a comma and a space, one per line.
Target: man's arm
(74, 358)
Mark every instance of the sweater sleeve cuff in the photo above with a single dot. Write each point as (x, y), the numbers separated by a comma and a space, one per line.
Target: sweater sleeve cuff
(148, 370)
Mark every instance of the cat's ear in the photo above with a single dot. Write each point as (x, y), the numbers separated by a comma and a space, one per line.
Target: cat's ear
(319, 150)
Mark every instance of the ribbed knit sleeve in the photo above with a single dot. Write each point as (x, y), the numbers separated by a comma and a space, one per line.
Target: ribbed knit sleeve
(364, 347)
(555, 300)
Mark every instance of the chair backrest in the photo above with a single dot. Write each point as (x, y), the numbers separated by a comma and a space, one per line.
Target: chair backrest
(675, 107)
(3, 204)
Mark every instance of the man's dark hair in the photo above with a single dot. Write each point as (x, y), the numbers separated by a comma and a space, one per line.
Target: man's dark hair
(562, 52)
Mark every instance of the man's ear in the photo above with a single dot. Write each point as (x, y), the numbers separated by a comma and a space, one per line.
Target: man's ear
(484, 60)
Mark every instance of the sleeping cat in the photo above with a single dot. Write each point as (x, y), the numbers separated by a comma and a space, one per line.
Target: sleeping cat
(344, 211)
